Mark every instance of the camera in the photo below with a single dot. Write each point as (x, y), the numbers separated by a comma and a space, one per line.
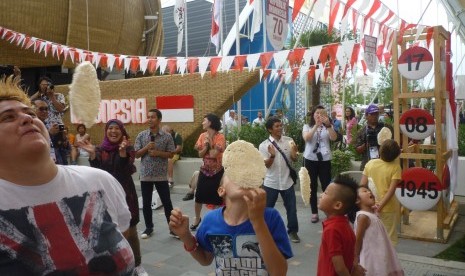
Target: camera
(61, 127)
(51, 86)
(372, 138)
(319, 156)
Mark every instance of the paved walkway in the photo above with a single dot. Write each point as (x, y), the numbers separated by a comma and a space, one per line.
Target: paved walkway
(164, 255)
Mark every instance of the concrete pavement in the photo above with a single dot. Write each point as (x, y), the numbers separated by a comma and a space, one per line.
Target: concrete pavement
(165, 255)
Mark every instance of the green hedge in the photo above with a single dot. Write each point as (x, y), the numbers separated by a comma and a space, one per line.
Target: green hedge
(461, 139)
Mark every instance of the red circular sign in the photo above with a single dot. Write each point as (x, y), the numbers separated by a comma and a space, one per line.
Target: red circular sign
(417, 123)
(419, 189)
(415, 63)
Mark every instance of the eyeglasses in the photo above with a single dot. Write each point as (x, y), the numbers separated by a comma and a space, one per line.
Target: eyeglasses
(43, 108)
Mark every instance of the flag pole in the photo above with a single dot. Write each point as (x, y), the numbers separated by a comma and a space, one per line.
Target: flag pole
(221, 27)
(185, 28)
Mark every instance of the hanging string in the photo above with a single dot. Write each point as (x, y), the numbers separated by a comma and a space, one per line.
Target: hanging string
(87, 23)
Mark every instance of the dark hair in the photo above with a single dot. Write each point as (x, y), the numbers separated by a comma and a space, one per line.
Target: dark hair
(352, 113)
(271, 121)
(352, 214)
(215, 122)
(156, 111)
(312, 112)
(389, 150)
(348, 192)
(81, 125)
(45, 78)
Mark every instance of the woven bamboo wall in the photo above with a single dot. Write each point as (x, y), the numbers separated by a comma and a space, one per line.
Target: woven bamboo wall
(211, 95)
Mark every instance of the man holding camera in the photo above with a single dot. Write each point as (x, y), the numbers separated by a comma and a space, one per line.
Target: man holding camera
(59, 144)
(55, 101)
(367, 138)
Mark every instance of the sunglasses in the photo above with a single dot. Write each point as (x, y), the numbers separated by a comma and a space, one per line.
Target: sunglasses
(43, 108)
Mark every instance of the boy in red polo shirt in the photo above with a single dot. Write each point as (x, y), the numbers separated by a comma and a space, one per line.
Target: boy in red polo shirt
(336, 255)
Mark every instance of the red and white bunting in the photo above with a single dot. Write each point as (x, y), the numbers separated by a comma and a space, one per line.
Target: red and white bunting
(203, 65)
(330, 55)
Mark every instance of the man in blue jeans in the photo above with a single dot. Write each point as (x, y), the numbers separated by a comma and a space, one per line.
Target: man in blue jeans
(154, 147)
(277, 151)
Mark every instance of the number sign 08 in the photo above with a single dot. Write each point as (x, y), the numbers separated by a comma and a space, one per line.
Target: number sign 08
(417, 123)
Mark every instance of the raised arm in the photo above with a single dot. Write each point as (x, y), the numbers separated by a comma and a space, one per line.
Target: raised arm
(274, 260)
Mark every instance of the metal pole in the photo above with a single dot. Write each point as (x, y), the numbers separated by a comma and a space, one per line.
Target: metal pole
(238, 52)
(221, 27)
(265, 84)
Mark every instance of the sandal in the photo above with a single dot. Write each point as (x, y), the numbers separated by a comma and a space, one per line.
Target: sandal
(194, 226)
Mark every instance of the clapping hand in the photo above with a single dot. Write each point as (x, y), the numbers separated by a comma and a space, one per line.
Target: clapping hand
(122, 147)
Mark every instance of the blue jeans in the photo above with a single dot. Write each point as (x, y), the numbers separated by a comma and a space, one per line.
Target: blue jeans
(163, 191)
(288, 197)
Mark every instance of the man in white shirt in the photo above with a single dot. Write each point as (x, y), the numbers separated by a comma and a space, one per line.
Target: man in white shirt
(231, 121)
(275, 151)
(259, 121)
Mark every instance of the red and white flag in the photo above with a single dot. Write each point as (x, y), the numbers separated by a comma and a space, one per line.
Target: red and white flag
(215, 33)
(176, 109)
(179, 19)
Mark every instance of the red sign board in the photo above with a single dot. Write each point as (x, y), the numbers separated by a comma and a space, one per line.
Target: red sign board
(419, 189)
(415, 63)
(417, 123)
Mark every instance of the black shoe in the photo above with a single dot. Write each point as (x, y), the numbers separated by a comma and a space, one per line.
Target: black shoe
(147, 233)
(172, 234)
(194, 226)
(188, 196)
(294, 237)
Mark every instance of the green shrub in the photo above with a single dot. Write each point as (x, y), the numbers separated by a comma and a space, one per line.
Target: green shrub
(461, 139)
(253, 134)
(340, 162)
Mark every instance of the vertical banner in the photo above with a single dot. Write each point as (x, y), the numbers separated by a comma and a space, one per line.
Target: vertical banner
(179, 20)
(277, 19)
(370, 52)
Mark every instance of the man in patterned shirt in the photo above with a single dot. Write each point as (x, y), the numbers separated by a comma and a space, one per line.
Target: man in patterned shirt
(55, 101)
(154, 147)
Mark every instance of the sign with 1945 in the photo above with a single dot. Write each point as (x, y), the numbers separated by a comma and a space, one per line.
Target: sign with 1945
(419, 189)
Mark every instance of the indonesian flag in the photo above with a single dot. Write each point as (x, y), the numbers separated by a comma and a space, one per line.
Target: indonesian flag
(176, 109)
(215, 33)
(179, 20)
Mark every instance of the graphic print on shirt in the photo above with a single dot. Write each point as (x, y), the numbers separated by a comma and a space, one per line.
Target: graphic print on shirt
(73, 236)
(237, 257)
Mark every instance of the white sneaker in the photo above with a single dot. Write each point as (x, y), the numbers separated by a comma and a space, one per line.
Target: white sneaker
(140, 271)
